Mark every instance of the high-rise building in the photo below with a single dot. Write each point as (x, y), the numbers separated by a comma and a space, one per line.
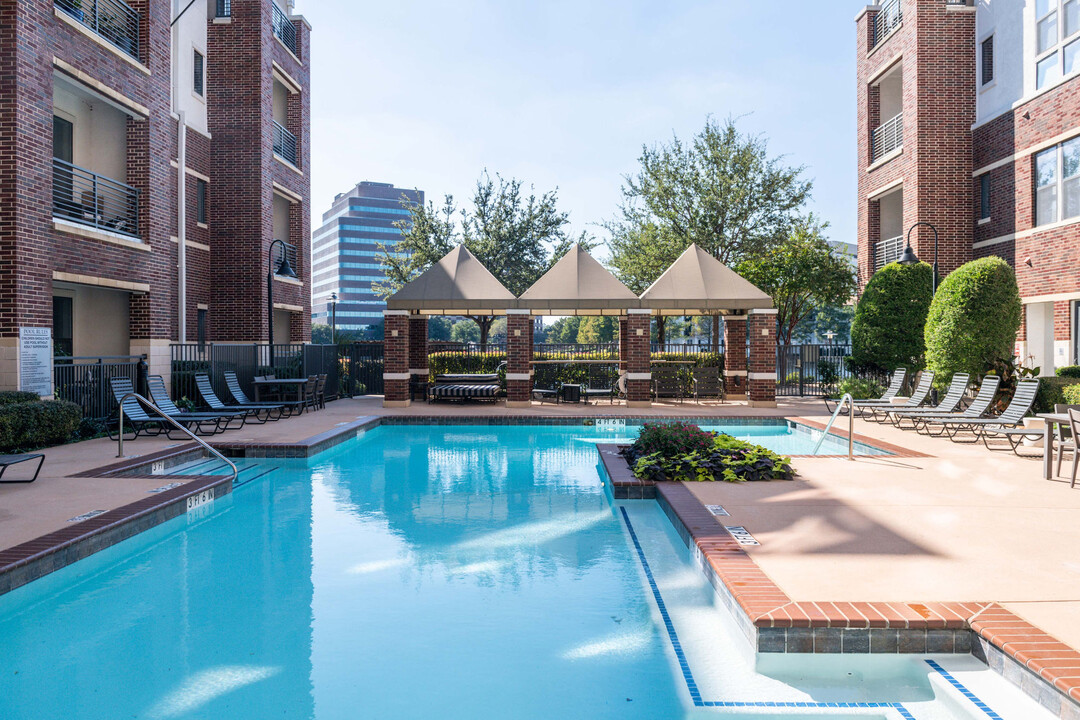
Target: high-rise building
(153, 150)
(346, 259)
(969, 120)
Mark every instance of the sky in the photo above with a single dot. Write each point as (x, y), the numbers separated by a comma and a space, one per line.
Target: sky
(564, 95)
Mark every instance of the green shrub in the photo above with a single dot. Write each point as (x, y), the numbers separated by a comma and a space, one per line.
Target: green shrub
(1069, 371)
(1052, 392)
(31, 425)
(13, 397)
(973, 320)
(860, 388)
(828, 372)
(687, 453)
(887, 330)
(1071, 395)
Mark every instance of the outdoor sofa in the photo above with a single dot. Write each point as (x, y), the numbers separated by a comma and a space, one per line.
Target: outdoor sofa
(466, 386)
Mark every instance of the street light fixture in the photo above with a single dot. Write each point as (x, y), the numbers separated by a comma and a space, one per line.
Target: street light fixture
(909, 257)
(333, 318)
(284, 269)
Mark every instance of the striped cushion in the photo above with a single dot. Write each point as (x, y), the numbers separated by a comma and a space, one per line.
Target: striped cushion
(465, 390)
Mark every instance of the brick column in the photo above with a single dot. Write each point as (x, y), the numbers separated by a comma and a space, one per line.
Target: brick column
(761, 376)
(396, 358)
(418, 351)
(735, 356)
(638, 369)
(519, 350)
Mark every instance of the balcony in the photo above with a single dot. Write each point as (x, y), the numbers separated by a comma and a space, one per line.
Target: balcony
(285, 144)
(285, 30)
(287, 250)
(888, 251)
(887, 20)
(113, 20)
(94, 200)
(887, 137)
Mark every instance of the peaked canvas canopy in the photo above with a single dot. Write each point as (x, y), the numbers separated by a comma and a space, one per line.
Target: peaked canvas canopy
(698, 284)
(456, 285)
(578, 285)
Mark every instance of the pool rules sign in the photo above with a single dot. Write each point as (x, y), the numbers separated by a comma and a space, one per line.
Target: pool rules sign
(36, 360)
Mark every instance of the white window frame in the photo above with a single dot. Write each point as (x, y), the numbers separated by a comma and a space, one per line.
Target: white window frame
(1057, 48)
(1058, 184)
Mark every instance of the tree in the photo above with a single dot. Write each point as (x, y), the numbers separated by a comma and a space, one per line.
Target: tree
(803, 274)
(821, 321)
(564, 330)
(887, 331)
(439, 328)
(596, 329)
(973, 319)
(723, 191)
(516, 236)
(465, 331)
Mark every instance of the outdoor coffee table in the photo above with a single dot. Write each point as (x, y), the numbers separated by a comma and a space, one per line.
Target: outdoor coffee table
(295, 384)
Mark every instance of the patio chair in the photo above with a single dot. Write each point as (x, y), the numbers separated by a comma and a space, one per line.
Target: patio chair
(135, 415)
(948, 404)
(706, 382)
(261, 413)
(979, 406)
(204, 423)
(309, 398)
(241, 398)
(1066, 443)
(897, 382)
(320, 391)
(922, 392)
(1013, 415)
(601, 383)
(1074, 428)
(7, 461)
(666, 384)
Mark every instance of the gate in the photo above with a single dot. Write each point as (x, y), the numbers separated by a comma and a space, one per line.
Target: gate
(362, 369)
(803, 370)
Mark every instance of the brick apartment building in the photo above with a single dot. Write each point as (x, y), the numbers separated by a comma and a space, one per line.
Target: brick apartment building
(969, 119)
(103, 106)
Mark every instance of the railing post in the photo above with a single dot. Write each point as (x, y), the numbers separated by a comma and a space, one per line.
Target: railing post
(142, 374)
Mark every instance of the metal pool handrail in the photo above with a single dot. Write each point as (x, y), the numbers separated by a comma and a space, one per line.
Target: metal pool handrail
(155, 409)
(851, 426)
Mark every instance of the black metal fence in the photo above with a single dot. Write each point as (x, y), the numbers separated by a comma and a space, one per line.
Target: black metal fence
(361, 367)
(85, 381)
(285, 30)
(812, 370)
(114, 20)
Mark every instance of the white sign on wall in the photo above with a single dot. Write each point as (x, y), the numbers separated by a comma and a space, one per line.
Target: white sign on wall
(36, 360)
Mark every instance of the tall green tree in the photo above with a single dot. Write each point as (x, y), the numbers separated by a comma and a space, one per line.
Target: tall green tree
(722, 190)
(515, 233)
(887, 331)
(803, 274)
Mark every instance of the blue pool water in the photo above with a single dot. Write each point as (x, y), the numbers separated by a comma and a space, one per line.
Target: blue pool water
(426, 572)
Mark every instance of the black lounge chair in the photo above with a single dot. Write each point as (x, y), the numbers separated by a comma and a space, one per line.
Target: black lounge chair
(204, 423)
(7, 461)
(706, 382)
(922, 392)
(666, 384)
(979, 406)
(895, 385)
(1013, 415)
(957, 387)
(260, 413)
(602, 379)
(241, 398)
(135, 415)
(465, 387)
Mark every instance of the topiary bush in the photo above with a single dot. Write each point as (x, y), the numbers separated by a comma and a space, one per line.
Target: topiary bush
(859, 388)
(1071, 395)
(1069, 371)
(973, 319)
(887, 330)
(30, 425)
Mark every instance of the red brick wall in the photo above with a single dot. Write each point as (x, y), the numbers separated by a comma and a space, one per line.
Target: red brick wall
(735, 355)
(637, 356)
(396, 357)
(519, 356)
(761, 337)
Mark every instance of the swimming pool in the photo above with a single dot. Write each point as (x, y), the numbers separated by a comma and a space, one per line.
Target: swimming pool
(428, 571)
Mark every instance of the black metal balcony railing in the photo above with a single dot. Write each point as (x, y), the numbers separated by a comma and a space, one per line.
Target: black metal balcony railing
(285, 30)
(95, 200)
(285, 143)
(887, 137)
(289, 251)
(887, 20)
(887, 251)
(114, 20)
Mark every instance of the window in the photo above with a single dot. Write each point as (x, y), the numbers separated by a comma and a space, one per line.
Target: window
(200, 326)
(62, 320)
(200, 201)
(197, 80)
(223, 9)
(984, 196)
(1057, 183)
(1057, 35)
(988, 60)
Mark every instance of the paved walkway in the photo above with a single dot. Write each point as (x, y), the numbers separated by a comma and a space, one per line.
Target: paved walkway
(965, 524)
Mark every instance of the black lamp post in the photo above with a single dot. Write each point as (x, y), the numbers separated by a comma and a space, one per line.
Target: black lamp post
(909, 257)
(284, 269)
(333, 318)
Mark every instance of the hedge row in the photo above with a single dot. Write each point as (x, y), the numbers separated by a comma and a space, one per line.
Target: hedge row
(13, 397)
(440, 363)
(36, 424)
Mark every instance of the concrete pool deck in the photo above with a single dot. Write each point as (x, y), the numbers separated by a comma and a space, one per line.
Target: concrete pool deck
(959, 525)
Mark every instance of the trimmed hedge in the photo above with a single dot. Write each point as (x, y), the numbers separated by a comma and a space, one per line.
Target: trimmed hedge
(1071, 394)
(13, 397)
(42, 423)
(973, 320)
(859, 388)
(887, 330)
(1069, 371)
(1052, 391)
